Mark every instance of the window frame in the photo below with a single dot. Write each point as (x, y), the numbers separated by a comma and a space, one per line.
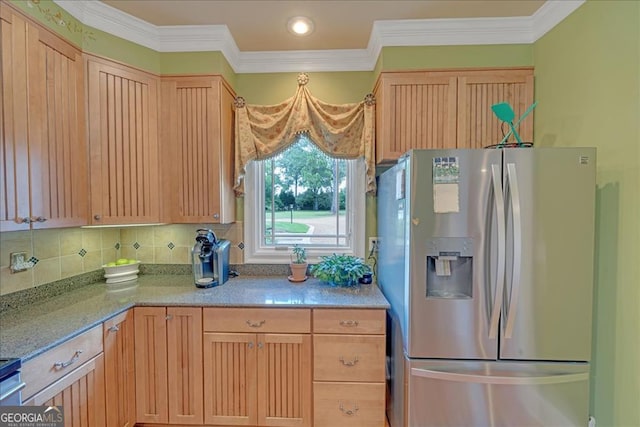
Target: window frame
(255, 252)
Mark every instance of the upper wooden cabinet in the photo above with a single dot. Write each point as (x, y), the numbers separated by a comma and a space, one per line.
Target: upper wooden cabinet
(43, 153)
(197, 149)
(447, 109)
(123, 143)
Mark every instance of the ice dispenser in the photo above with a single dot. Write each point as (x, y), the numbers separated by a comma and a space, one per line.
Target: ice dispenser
(449, 268)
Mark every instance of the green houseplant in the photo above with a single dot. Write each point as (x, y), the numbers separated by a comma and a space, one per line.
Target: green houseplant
(340, 270)
(298, 264)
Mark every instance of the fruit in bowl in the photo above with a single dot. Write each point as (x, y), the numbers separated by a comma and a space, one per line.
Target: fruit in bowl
(122, 269)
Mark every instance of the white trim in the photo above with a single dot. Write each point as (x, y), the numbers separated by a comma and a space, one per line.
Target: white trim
(256, 253)
(412, 32)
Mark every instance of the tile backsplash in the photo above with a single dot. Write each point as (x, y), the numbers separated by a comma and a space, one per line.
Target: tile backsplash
(66, 252)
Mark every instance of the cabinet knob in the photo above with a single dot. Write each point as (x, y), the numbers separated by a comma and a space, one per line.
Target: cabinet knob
(114, 328)
(97, 217)
(38, 219)
(24, 220)
(349, 362)
(256, 324)
(250, 345)
(168, 317)
(348, 412)
(216, 216)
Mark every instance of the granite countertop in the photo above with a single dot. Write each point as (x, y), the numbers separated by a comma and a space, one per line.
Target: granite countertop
(28, 331)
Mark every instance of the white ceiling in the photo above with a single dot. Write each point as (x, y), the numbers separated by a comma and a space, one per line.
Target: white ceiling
(348, 36)
(260, 25)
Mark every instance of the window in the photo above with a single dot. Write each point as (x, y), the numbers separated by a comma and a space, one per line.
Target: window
(302, 196)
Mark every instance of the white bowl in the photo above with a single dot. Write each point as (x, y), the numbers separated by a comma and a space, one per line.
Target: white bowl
(123, 274)
(119, 269)
(122, 278)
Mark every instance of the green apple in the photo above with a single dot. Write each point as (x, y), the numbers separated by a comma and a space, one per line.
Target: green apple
(111, 264)
(122, 261)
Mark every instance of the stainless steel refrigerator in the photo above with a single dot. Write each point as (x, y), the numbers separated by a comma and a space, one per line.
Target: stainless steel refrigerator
(486, 257)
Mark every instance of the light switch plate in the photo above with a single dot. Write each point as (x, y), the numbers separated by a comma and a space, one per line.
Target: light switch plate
(18, 262)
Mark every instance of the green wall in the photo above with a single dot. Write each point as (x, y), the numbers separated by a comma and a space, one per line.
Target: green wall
(588, 91)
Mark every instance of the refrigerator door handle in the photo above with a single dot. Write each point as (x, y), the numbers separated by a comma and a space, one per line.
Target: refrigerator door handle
(499, 379)
(498, 198)
(514, 193)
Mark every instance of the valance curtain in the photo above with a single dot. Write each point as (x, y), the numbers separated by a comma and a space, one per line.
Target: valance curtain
(344, 131)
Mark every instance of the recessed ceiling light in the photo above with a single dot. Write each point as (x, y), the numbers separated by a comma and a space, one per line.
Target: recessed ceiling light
(300, 25)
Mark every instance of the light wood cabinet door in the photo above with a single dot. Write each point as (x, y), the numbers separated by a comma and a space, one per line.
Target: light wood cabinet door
(43, 154)
(478, 127)
(230, 379)
(123, 144)
(197, 140)
(118, 336)
(80, 393)
(150, 336)
(284, 380)
(414, 110)
(184, 360)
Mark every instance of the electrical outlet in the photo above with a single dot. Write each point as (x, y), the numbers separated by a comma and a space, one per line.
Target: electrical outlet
(373, 244)
(19, 262)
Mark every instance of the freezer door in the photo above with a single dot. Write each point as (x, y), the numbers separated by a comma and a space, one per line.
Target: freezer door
(492, 394)
(452, 263)
(550, 208)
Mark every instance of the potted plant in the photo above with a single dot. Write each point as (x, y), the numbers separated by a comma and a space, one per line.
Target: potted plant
(340, 270)
(298, 264)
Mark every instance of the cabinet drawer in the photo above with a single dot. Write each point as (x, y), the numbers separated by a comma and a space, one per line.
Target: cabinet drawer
(349, 321)
(43, 370)
(280, 320)
(348, 405)
(348, 358)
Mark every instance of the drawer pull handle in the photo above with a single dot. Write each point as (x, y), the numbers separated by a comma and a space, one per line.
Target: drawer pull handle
(349, 362)
(349, 323)
(62, 365)
(256, 324)
(114, 328)
(348, 412)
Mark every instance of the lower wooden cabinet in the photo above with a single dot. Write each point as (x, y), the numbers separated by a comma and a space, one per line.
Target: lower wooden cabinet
(168, 365)
(80, 393)
(119, 378)
(257, 379)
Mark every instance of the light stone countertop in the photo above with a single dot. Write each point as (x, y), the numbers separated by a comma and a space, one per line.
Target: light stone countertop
(31, 330)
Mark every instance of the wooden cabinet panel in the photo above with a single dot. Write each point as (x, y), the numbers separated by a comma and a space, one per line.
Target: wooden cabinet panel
(184, 359)
(279, 320)
(80, 393)
(123, 144)
(197, 140)
(414, 110)
(284, 380)
(150, 325)
(230, 379)
(348, 404)
(348, 358)
(43, 156)
(349, 321)
(448, 109)
(118, 336)
(478, 127)
(54, 364)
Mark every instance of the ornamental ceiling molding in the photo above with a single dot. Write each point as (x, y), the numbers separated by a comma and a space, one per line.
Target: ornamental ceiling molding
(413, 32)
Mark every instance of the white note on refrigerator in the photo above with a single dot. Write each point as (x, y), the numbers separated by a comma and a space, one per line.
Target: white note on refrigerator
(446, 198)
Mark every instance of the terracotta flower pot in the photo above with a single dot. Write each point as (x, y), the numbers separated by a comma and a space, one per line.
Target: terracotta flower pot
(298, 272)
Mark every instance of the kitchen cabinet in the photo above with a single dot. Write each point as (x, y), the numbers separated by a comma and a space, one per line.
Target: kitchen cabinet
(43, 153)
(70, 375)
(122, 120)
(118, 335)
(448, 108)
(197, 149)
(257, 367)
(349, 367)
(168, 351)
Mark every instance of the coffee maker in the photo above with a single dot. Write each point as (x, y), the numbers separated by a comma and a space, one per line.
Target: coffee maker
(209, 259)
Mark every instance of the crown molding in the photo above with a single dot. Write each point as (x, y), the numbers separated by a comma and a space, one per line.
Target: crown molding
(413, 32)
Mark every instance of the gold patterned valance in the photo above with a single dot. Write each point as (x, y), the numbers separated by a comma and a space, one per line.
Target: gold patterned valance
(340, 130)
